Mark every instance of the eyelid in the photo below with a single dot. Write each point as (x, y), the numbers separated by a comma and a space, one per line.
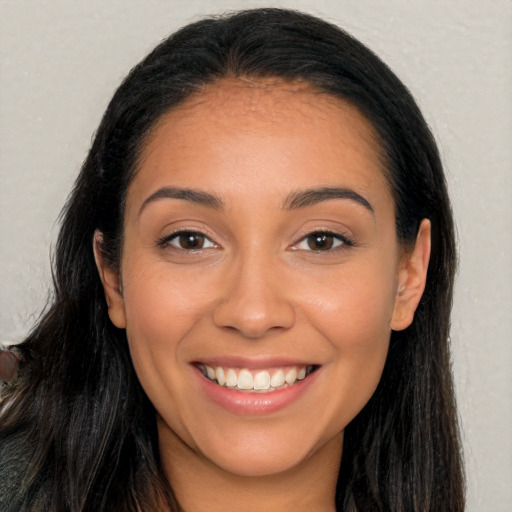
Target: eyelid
(165, 240)
(346, 240)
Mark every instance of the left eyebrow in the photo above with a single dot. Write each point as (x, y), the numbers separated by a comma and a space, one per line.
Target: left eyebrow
(310, 197)
(184, 194)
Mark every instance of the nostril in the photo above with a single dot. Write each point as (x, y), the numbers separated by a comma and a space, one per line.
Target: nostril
(254, 326)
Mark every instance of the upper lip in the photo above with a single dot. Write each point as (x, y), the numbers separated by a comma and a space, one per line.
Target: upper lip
(252, 363)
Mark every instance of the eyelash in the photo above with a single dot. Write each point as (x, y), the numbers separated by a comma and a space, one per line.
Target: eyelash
(333, 237)
(344, 241)
(166, 240)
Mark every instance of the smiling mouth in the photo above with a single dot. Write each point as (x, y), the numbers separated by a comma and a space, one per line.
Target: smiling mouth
(256, 381)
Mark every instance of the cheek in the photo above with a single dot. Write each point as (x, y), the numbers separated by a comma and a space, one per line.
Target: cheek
(354, 303)
(160, 302)
(357, 327)
(352, 311)
(361, 346)
(160, 308)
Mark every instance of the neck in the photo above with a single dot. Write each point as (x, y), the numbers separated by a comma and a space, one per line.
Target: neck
(200, 485)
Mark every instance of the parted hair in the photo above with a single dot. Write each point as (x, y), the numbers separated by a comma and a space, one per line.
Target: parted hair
(77, 432)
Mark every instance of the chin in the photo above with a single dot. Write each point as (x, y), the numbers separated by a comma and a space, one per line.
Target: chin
(259, 462)
(266, 452)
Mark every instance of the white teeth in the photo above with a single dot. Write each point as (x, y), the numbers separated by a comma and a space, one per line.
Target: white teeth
(262, 380)
(231, 378)
(210, 372)
(291, 376)
(219, 375)
(277, 379)
(245, 380)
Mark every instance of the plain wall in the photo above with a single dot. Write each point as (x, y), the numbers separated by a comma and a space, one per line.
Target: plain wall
(60, 62)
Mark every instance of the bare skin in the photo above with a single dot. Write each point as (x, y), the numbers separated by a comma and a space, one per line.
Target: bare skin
(202, 486)
(260, 236)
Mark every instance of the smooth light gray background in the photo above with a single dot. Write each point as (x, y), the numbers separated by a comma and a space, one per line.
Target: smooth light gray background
(60, 62)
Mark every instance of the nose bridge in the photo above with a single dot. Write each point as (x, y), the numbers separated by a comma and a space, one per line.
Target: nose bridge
(254, 299)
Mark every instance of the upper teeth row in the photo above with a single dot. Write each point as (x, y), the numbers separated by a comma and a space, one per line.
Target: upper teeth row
(261, 380)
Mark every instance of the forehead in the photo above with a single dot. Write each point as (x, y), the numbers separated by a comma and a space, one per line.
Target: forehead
(270, 102)
(281, 130)
(263, 99)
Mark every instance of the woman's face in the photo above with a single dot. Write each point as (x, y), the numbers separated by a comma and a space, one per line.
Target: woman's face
(260, 275)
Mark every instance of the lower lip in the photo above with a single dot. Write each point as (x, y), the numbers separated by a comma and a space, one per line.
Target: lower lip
(243, 403)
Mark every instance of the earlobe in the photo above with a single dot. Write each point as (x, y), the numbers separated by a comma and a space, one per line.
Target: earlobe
(111, 281)
(412, 277)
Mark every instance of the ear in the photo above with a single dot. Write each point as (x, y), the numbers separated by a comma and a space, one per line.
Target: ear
(412, 276)
(111, 281)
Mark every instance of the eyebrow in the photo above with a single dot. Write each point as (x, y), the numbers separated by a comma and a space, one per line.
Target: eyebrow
(185, 194)
(296, 200)
(310, 197)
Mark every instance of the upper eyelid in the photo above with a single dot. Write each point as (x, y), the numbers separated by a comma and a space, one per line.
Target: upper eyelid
(344, 237)
(333, 232)
(165, 239)
(200, 230)
(346, 241)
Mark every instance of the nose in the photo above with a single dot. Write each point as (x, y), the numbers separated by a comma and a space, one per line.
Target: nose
(254, 300)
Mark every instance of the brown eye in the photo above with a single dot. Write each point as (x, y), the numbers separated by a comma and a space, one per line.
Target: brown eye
(320, 241)
(188, 241)
(323, 241)
(191, 241)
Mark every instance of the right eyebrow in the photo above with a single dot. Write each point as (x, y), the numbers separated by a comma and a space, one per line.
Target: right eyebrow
(309, 197)
(185, 194)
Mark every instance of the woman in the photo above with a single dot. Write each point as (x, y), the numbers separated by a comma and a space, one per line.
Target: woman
(253, 282)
